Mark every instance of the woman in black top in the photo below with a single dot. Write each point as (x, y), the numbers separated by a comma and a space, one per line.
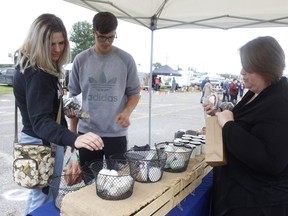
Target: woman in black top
(255, 180)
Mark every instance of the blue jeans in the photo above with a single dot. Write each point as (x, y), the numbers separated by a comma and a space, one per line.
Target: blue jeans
(36, 197)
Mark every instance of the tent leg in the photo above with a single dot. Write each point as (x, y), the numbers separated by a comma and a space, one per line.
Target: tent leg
(150, 86)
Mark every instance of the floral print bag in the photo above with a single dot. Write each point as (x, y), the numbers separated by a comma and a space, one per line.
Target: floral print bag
(33, 163)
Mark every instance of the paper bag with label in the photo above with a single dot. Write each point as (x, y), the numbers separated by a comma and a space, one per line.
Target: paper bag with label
(214, 155)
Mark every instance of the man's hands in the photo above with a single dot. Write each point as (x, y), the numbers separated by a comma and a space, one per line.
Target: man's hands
(123, 119)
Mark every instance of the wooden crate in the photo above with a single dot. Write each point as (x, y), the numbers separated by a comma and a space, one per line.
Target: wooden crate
(176, 193)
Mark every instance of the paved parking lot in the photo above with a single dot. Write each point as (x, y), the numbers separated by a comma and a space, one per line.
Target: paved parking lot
(169, 113)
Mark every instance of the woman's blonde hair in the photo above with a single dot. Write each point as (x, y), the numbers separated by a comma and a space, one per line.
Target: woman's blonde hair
(36, 49)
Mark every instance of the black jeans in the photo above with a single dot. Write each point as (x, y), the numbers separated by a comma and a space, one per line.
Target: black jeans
(233, 99)
(112, 146)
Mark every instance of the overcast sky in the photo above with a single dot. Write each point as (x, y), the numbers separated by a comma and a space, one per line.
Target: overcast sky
(214, 51)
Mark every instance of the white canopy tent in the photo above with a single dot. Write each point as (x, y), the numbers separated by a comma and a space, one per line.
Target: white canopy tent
(223, 14)
(192, 14)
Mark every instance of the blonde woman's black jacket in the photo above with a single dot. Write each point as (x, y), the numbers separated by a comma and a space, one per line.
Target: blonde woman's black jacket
(37, 95)
(256, 145)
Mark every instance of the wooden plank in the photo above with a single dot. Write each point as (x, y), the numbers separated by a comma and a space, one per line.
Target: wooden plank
(174, 201)
(155, 204)
(172, 197)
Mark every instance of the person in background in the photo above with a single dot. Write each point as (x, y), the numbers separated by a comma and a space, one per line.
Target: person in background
(38, 94)
(233, 91)
(241, 87)
(173, 86)
(160, 83)
(254, 182)
(157, 83)
(153, 81)
(225, 88)
(202, 88)
(108, 80)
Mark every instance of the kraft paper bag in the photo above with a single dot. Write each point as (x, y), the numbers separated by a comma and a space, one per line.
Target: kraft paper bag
(214, 155)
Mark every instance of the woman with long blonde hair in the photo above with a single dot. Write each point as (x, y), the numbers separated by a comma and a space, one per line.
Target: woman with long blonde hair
(38, 94)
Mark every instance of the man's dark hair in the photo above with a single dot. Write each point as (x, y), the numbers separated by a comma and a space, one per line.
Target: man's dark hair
(104, 22)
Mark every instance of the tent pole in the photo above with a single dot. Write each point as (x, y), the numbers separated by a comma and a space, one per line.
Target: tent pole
(150, 86)
(153, 26)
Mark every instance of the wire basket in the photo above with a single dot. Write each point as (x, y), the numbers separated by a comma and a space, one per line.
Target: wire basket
(114, 178)
(149, 164)
(60, 187)
(88, 175)
(178, 155)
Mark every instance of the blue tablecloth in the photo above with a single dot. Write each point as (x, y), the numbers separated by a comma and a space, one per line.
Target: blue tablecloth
(196, 204)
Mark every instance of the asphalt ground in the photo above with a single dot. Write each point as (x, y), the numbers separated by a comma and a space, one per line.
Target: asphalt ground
(170, 112)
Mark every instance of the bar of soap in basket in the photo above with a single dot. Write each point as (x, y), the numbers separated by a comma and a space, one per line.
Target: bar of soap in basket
(154, 174)
(177, 164)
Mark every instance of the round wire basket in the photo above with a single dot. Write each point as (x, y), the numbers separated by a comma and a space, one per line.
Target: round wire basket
(61, 186)
(114, 178)
(178, 155)
(149, 164)
(88, 175)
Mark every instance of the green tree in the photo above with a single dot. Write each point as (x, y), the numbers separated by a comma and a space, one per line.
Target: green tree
(82, 37)
(157, 65)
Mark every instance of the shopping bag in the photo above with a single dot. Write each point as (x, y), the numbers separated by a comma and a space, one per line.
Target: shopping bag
(71, 167)
(214, 155)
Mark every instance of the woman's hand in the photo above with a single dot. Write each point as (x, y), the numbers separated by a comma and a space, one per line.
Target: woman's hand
(89, 141)
(209, 108)
(224, 117)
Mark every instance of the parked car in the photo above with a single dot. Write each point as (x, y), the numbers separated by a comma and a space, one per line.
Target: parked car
(216, 83)
(6, 76)
(196, 82)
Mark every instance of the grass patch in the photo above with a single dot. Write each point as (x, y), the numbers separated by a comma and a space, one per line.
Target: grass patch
(5, 89)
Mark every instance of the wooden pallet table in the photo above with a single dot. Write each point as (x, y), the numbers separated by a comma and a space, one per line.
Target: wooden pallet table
(147, 198)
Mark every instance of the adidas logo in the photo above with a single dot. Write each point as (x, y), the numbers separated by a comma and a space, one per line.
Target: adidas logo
(102, 84)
